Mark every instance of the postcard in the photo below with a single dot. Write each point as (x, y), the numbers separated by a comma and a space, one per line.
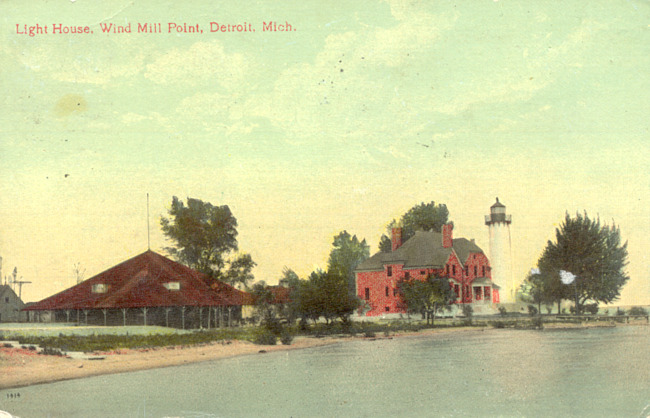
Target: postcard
(305, 128)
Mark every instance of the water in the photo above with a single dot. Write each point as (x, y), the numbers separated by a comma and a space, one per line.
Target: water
(600, 372)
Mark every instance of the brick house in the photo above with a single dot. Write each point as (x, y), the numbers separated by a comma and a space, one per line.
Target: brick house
(427, 252)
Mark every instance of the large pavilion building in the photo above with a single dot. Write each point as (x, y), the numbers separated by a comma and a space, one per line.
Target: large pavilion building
(148, 289)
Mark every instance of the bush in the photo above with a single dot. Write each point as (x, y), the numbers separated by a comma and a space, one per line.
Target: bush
(620, 312)
(502, 311)
(468, 311)
(369, 334)
(638, 311)
(532, 311)
(286, 338)
(537, 322)
(265, 337)
(591, 308)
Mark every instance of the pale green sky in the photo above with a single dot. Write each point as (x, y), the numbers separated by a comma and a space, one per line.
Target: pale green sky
(345, 123)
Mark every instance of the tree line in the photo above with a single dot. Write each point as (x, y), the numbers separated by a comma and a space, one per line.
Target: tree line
(204, 237)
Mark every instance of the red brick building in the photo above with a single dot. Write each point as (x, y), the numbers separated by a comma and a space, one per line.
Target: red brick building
(427, 252)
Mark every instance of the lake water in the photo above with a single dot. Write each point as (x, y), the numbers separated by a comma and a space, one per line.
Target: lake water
(598, 372)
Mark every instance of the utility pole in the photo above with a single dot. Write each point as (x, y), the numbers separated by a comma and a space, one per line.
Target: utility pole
(20, 284)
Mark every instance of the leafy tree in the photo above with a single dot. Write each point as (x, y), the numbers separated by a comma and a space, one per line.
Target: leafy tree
(345, 256)
(427, 297)
(264, 308)
(331, 297)
(593, 253)
(203, 235)
(425, 216)
(538, 289)
(291, 311)
(240, 271)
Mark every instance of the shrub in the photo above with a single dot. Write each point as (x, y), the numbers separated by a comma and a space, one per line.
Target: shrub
(265, 337)
(48, 351)
(497, 324)
(502, 311)
(537, 322)
(369, 334)
(532, 310)
(638, 311)
(591, 308)
(286, 338)
(468, 311)
(620, 312)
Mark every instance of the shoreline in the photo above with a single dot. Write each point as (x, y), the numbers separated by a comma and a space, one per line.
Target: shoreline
(23, 367)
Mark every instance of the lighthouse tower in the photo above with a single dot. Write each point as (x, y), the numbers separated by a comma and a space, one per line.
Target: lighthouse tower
(500, 252)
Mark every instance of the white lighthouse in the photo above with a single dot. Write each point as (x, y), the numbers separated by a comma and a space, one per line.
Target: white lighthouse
(500, 251)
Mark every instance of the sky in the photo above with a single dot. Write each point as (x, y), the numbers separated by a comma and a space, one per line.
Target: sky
(344, 122)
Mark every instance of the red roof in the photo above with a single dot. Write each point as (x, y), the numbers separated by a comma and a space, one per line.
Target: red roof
(280, 294)
(147, 280)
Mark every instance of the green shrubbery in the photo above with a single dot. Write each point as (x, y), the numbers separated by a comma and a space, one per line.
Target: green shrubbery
(638, 311)
(265, 337)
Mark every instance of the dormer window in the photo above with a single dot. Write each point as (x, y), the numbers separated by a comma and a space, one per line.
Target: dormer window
(100, 288)
(389, 271)
(172, 285)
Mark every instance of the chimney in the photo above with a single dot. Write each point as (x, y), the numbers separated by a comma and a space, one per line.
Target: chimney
(447, 236)
(396, 241)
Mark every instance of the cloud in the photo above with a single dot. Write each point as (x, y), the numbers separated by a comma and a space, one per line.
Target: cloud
(349, 90)
(200, 62)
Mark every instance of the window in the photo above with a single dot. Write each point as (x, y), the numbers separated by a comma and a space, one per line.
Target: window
(389, 271)
(407, 275)
(466, 270)
(99, 288)
(457, 291)
(478, 295)
(475, 271)
(6, 299)
(172, 285)
(483, 271)
(386, 290)
(387, 308)
(453, 269)
(394, 292)
(486, 293)
(367, 293)
(423, 272)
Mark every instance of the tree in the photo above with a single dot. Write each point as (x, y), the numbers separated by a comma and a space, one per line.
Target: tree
(240, 271)
(537, 289)
(203, 235)
(329, 296)
(590, 252)
(427, 297)
(345, 256)
(425, 216)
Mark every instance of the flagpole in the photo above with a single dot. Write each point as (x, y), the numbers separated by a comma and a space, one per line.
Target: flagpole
(148, 234)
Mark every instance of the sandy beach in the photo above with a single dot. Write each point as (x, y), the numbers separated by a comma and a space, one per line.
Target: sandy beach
(22, 367)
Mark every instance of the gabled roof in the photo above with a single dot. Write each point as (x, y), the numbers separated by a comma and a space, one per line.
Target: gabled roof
(422, 250)
(7, 290)
(140, 282)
